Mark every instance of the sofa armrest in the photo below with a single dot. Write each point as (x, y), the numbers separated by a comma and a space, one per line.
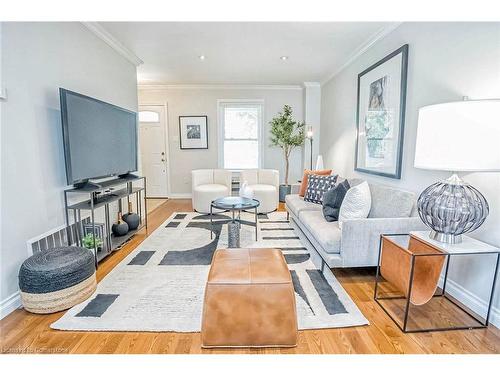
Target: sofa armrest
(360, 237)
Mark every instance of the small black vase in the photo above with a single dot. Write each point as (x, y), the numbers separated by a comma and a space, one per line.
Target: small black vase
(120, 228)
(131, 218)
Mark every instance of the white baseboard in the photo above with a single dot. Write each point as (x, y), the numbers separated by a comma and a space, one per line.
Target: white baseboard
(10, 304)
(472, 301)
(180, 196)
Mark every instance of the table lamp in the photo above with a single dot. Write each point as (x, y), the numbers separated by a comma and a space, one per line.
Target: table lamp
(319, 163)
(457, 137)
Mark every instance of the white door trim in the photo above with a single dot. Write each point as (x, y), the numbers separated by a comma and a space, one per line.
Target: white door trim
(167, 145)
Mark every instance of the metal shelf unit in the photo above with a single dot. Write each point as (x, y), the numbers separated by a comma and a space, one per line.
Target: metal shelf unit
(120, 188)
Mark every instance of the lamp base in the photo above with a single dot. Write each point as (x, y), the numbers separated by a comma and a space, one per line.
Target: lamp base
(451, 208)
(445, 237)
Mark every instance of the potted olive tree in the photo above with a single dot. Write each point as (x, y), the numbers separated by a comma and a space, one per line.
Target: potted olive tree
(286, 134)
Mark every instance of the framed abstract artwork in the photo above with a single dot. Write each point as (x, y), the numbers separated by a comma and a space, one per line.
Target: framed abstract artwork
(193, 132)
(380, 115)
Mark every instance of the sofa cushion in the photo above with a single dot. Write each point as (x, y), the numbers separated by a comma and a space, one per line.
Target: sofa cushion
(332, 200)
(327, 234)
(296, 204)
(391, 202)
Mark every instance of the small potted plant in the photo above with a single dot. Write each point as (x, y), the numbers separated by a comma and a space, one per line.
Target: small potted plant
(286, 134)
(88, 242)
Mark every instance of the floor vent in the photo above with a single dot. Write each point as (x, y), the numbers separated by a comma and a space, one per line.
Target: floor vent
(54, 238)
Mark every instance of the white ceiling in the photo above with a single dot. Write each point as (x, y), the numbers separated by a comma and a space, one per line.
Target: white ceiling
(242, 52)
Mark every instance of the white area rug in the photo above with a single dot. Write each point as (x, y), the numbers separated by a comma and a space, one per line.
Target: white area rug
(160, 285)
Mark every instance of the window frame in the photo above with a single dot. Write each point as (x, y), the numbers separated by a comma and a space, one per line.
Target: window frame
(221, 105)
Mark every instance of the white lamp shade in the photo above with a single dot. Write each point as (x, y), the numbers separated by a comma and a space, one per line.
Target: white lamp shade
(319, 163)
(459, 136)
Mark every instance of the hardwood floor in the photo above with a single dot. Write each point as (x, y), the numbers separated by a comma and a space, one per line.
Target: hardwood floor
(22, 332)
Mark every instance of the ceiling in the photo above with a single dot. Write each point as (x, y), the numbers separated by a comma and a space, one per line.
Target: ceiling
(242, 52)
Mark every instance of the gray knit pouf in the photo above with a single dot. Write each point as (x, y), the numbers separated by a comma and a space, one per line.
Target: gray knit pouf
(57, 279)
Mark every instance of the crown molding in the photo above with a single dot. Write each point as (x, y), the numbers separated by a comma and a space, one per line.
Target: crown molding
(312, 84)
(216, 87)
(111, 41)
(364, 47)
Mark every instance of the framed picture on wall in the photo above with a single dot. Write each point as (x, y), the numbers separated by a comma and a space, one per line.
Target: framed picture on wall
(193, 131)
(380, 115)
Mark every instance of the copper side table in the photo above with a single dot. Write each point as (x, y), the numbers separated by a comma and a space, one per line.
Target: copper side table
(415, 294)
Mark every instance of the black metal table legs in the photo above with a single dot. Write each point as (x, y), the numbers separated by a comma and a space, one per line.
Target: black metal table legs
(442, 294)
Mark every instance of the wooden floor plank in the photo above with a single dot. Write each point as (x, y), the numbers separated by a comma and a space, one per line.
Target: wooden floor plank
(23, 332)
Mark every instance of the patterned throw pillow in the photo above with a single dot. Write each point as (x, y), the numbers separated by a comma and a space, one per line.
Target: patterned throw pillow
(317, 186)
(307, 173)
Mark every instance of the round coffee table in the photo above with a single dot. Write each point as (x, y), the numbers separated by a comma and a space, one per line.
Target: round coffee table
(234, 204)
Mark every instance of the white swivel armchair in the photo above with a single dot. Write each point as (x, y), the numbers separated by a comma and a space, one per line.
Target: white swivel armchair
(265, 185)
(208, 185)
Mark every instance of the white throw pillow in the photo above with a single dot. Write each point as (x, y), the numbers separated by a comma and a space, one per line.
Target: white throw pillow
(356, 204)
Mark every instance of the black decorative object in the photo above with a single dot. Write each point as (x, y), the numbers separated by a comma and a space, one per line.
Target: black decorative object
(381, 115)
(121, 227)
(317, 186)
(132, 219)
(332, 200)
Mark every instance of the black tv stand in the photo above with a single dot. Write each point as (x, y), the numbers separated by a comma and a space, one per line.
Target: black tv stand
(86, 185)
(101, 195)
(128, 176)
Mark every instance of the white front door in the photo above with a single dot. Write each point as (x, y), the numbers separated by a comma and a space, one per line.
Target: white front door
(153, 141)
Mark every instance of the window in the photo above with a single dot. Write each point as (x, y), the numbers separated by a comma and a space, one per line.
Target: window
(149, 116)
(240, 128)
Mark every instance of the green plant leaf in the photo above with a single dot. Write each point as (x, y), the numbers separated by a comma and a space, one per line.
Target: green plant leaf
(286, 134)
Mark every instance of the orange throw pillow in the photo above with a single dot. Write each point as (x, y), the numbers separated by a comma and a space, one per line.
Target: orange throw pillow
(307, 172)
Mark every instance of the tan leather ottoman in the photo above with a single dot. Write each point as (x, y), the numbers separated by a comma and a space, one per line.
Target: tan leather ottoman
(249, 300)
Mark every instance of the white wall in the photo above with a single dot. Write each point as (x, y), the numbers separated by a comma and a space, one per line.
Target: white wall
(446, 62)
(184, 101)
(37, 59)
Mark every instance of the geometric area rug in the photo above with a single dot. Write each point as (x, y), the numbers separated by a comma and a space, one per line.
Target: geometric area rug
(160, 285)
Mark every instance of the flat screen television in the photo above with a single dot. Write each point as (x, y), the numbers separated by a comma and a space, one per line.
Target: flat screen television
(100, 139)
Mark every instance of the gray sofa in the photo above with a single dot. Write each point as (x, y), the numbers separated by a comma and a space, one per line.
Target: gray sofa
(356, 244)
